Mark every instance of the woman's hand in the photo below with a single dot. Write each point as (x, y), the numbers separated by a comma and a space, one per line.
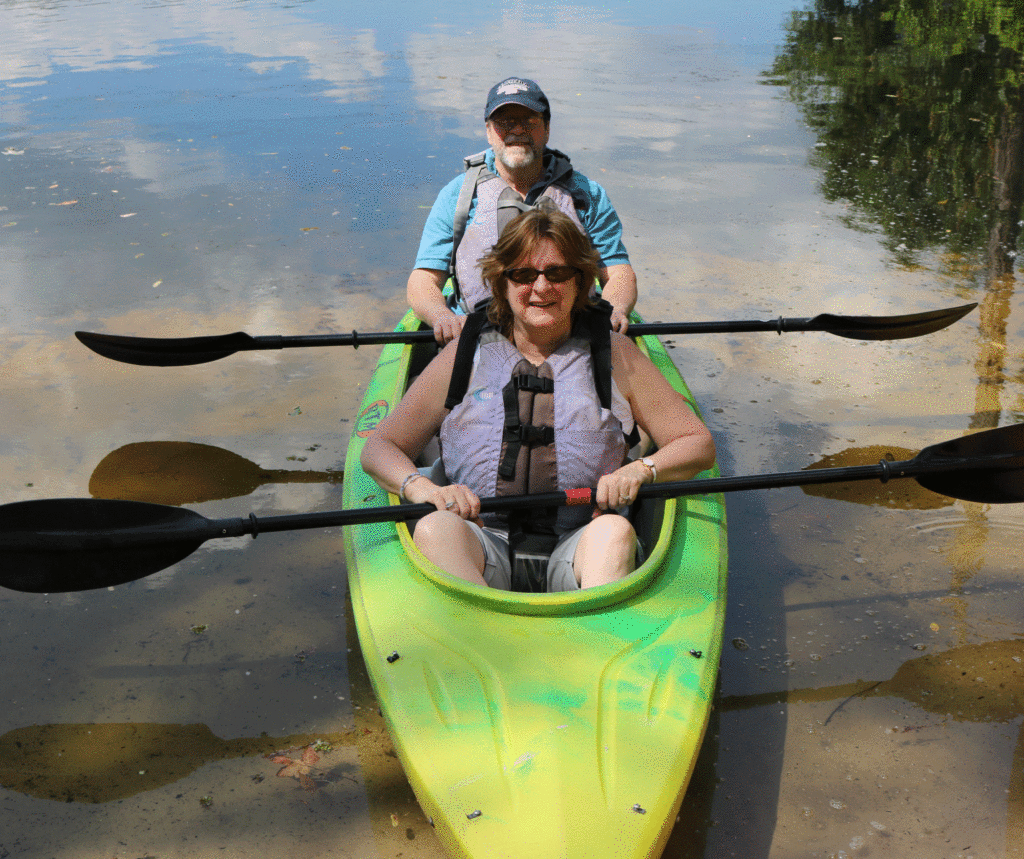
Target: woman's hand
(455, 498)
(621, 487)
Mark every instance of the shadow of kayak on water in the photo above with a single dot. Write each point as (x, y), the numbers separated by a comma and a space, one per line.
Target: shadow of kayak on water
(730, 808)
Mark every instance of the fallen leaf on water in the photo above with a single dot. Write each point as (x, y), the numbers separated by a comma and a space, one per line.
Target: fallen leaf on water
(139, 255)
(394, 820)
(934, 627)
(307, 229)
(298, 768)
(54, 185)
(107, 169)
(129, 214)
(155, 285)
(65, 203)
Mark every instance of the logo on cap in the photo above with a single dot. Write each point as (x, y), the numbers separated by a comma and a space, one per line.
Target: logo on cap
(511, 87)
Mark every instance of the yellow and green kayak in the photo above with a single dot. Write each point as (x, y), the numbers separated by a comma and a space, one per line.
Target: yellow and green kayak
(540, 726)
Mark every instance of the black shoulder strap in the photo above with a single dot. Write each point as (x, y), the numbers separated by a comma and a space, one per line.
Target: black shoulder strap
(597, 320)
(464, 352)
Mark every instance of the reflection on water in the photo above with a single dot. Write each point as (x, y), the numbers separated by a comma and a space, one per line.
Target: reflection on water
(975, 683)
(919, 114)
(104, 762)
(182, 472)
(199, 167)
(907, 494)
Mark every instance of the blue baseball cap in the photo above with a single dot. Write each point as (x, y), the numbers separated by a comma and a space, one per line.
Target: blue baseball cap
(517, 91)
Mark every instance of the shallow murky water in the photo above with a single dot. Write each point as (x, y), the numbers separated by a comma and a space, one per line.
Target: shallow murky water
(201, 168)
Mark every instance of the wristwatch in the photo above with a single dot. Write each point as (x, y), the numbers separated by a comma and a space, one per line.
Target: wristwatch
(646, 460)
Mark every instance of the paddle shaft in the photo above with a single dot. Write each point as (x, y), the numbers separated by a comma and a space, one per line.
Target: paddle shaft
(241, 342)
(199, 529)
(356, 339)
(184, 351)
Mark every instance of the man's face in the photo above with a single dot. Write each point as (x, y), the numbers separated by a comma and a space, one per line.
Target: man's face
(517, 135)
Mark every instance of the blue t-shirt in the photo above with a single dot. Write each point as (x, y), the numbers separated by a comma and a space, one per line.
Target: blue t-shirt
(600, 220)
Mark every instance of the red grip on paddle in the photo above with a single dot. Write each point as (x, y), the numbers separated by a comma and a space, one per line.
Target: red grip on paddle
(578, 496)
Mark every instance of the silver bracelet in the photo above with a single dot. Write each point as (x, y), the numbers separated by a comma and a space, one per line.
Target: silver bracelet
(409, 478)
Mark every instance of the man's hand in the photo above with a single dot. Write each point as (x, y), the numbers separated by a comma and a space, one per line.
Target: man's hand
(618, 288)
(620, 320)
(447, 326)
(427, 302)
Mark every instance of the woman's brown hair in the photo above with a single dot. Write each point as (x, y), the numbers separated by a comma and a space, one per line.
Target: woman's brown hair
(517, 242)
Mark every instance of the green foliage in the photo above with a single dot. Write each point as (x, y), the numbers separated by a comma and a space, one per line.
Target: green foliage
(906, 97)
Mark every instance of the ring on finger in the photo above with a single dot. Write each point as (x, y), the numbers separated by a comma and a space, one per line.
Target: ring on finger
(449, 505)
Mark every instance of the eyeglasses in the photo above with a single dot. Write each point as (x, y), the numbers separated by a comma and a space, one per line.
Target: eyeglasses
(507, 123)
(553, 274)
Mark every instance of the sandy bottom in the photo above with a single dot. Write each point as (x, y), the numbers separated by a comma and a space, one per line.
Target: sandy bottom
(871, 682)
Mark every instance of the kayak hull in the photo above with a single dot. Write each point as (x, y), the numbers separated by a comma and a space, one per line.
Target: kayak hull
(548, 726)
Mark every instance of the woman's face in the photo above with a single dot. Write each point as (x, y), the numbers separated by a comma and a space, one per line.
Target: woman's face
(542, 304)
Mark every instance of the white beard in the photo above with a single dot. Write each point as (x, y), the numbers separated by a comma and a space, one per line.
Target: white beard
(518, 157)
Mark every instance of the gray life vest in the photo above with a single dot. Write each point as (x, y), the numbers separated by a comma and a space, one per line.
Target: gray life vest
(496, 204)
(515, 428)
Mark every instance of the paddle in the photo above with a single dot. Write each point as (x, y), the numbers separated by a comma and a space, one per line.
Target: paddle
(903, 494)
(183, 351)
(70, 544)
(185, 472)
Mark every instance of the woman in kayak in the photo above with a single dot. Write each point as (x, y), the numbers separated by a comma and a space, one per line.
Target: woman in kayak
(532, 419)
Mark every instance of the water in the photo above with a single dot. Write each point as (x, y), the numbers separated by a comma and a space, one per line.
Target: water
(175, 169)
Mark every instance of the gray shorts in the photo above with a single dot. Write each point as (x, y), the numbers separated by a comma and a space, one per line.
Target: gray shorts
(498, 570)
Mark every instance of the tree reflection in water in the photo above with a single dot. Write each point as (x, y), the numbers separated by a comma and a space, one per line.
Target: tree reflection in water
(919, 112)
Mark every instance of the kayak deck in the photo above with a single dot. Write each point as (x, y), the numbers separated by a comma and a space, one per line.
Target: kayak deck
(550, 726)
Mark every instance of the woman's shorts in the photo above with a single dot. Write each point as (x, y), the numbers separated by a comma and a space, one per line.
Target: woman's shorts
(498, 569)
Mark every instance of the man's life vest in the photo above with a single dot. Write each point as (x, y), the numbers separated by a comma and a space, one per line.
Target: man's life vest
(496, 204)
(515, 428)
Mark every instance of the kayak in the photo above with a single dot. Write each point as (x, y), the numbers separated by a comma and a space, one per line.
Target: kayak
(548, 726)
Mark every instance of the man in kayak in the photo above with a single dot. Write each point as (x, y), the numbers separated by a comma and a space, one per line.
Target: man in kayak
(509, 177)
(537, 413)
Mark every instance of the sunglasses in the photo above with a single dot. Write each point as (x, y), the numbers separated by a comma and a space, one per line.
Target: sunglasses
(553, 274)
(507, 123)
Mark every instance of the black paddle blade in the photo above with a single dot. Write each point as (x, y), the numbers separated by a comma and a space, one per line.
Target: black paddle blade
(165, 351)
(889, 327)
(999, 482)
(91, 543)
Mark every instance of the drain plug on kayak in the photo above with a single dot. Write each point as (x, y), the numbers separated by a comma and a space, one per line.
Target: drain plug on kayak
(394, 657)
(639, 809)
(696, 654)
(473, 815)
